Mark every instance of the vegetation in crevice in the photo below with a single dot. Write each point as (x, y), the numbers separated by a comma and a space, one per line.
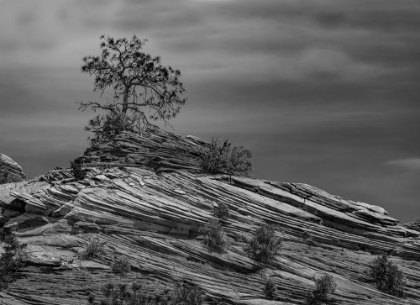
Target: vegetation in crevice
(270, 289)
(387, 276)
(221, 211)
(214, 237)
(11, 260)
(94, 248)
(184, 294)
(220, 157)
(78, 172)
(264, 245)
(325, 286)
(121, 266)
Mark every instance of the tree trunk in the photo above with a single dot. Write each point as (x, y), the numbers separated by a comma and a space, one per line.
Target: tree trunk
(125, 101)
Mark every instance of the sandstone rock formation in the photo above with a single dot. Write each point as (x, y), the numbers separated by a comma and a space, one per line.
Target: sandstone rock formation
(9, 170)
(149, 207)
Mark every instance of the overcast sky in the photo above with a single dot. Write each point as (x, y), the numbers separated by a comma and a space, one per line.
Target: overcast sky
(324, 92)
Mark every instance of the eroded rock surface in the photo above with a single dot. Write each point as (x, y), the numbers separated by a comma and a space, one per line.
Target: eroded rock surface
(10, 171)
(155, 149)
(152, 215)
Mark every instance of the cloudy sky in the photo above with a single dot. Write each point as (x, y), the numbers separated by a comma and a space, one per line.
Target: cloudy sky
(324, 92)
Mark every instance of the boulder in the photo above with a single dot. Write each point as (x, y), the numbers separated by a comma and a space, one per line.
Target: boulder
(10, 171)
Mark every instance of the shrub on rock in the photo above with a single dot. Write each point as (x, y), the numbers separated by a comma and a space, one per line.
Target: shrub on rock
(270, 289)
(321, 295)
(220, 157)
(264, 246)
(388, 277)
(121, 266)
(221, 211)
(215, 238)
(11, 260)
(185, 294)
(78, 172)
(93, 249)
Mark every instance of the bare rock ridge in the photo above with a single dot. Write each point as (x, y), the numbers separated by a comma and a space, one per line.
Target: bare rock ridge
(10, 170)
(149, 207)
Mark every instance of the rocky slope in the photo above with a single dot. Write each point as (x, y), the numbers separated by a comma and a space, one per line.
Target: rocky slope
(10, 170)
(149, 204)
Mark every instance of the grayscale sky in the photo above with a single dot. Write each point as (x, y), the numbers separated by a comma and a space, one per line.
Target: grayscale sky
(324, 92)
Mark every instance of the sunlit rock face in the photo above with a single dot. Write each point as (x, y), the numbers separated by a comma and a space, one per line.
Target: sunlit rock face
(10, 171)
(150, 209)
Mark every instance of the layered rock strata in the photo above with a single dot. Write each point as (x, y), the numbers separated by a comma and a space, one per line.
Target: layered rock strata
(152, 215)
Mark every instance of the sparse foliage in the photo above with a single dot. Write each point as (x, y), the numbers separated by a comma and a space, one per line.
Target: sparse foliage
(78, 172)
(143, 89)
(264, 245)
(215, 238)
(94, 248)
(109, 125)
(220, 157)
(185, 294)
(321, 295)
(388, 277)
(121, 265)
(121, 295)
(11, 260)
(270, 289)
(188, 294)
(221, 211)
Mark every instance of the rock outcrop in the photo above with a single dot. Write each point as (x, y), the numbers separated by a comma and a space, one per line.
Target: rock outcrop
(10, 171)
(149, 207)
(155, 149)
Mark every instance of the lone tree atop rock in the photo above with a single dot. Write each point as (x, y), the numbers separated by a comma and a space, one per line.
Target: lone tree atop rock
(143, 89)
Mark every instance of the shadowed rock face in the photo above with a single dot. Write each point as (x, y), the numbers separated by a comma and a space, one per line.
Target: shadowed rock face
(10, 171)
(150, 210)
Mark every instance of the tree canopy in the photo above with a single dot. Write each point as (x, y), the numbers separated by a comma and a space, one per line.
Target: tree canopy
(143, 89)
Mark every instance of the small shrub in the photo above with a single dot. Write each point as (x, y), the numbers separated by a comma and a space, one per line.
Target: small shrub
(185, 294)
(324, 287)
(270, 289)
(121, 266)
(78, 172)
(11, 260)
(220, 157)
(107, 126)
(188, 294)
(388, 277)
(120, 295)
(93, 249)
(264, 246)
(221, 211)
(215, 238)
